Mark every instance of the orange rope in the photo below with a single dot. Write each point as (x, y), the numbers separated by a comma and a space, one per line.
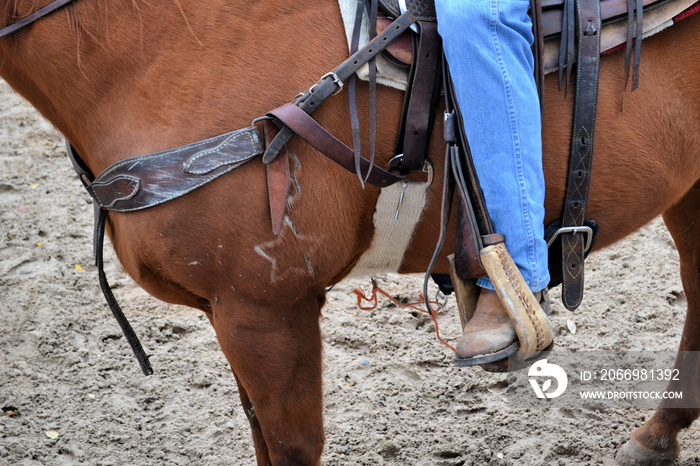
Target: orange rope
(375, 289)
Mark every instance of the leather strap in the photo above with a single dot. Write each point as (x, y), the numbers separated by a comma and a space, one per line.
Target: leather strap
(372, 134)
(127, 330)
(538, 47)
(581, 156)
(310, 100)
(137, 183)
(419, 113)
(278, 181)
(470, 224)
(310, 131)
(633, 6)
(472, 185)
(567, 43)
(352, 93)
(468, 242)
(37, 15)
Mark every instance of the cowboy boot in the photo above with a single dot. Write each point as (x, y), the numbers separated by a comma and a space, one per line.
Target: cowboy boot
(489, 335)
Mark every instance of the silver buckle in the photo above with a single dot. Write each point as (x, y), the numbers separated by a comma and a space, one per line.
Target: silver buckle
(336, 81)
(395, 161)
(575, 230)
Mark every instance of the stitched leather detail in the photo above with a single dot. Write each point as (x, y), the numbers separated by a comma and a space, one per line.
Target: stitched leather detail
(505, 263)
(119, 188)
(161, 176)
(233, 149)
(581, 153)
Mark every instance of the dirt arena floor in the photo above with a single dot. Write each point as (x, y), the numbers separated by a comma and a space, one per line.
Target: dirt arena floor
(72, 393)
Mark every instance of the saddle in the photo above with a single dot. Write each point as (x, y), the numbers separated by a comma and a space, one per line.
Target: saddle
(554, 49)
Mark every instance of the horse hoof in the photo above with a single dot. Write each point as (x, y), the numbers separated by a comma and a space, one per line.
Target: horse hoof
(633, 454)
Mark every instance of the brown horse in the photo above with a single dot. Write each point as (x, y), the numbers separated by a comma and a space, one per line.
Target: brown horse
(125, 78)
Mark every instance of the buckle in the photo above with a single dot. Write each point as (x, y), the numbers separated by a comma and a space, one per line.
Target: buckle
(574, 230)
(395, 161)
(336, 81)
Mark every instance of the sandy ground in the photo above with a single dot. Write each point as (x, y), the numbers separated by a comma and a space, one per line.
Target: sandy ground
(392, 395)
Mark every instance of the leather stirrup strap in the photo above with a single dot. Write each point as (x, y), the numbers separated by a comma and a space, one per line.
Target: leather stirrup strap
(581, 156)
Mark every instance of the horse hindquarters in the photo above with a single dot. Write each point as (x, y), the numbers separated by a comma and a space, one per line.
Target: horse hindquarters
(275, 355)
(656, 441)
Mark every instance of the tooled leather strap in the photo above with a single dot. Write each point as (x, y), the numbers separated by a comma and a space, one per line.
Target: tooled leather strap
(137, 183)
(581, 156)
(310, 131)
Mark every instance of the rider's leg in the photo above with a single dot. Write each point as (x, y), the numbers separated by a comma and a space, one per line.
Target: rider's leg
(487, 44)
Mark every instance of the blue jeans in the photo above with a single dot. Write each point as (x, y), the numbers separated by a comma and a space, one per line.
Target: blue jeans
(487, 44)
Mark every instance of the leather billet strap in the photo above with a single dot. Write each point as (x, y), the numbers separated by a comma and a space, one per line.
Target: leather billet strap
(581, 156)
(352, 92)
(420, 99)
(332, 82)
(149, 180)
(310, 131)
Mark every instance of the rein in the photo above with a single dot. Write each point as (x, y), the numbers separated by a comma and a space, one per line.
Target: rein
(37, 15)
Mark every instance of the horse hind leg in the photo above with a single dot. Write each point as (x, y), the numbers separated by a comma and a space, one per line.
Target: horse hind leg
(656, 442)
(275, 354)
